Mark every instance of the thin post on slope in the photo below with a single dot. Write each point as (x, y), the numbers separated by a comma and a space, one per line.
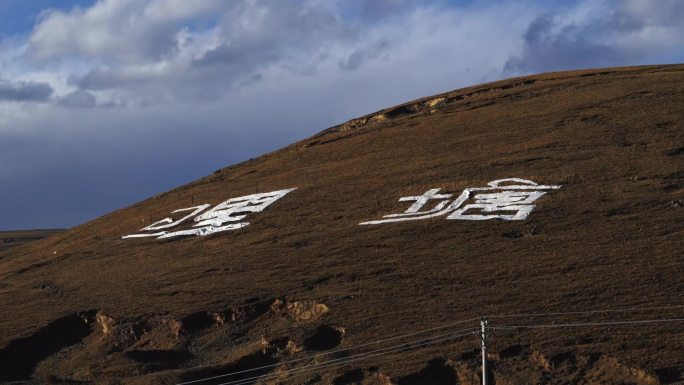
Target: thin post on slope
(483, 343)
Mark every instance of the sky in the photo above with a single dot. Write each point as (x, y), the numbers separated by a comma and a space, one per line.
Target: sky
(105, 103)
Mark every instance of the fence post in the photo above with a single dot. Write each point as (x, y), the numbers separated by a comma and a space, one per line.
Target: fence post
(483, 343)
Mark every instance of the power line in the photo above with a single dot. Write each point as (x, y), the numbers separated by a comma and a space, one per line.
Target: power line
(346, 360)
(343, 359)
(563, 325)
(625, 310)
(431, 340)
(333, 351)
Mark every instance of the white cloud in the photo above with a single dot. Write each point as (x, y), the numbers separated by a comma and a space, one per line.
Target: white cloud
(153, 49)
(189, 51)
(155, 52)
(119, 30)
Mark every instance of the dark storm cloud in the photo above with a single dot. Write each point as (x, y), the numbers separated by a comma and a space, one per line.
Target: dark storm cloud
(24, 91)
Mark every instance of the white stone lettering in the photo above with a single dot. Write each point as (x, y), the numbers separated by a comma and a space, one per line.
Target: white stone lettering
(508, 199)
(223, 217)
(421, 201)
(168, 222)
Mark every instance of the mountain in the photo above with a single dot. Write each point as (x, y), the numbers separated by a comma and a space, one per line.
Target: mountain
(551, 204)
(15, 238)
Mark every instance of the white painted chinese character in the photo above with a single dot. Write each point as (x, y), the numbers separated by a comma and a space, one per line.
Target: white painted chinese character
(421, 201)
(508, 199)
(224, 216)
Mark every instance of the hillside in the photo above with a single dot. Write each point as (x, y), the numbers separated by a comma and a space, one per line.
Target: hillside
(10, 239)
(299, 275)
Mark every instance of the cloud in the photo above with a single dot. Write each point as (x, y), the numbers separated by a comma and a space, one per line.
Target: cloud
(123, 31)
(22, 91)
(549, 46)
(667, 13)
(363, 54)
(152, 49)
(78, 99)
(601, 34)
(166, 51)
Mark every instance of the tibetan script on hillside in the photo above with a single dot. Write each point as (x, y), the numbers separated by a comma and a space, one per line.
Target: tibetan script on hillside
(223, 217)
(509, 199)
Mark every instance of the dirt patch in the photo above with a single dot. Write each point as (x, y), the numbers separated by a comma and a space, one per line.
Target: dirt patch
(300, 311)
(119, 335)
(251, 310)
(571, 367)
(107, 323)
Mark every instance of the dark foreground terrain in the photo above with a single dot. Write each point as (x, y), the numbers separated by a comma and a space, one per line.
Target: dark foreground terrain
(305, 278)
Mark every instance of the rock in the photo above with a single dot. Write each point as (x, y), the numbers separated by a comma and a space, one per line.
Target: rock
(306, 311)
(106, 322)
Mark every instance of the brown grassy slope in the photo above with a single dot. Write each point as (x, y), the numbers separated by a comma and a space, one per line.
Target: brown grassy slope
(10, 239)
(612, 237)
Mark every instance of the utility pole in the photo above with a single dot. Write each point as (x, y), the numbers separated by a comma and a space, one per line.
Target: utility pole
(483, 340)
